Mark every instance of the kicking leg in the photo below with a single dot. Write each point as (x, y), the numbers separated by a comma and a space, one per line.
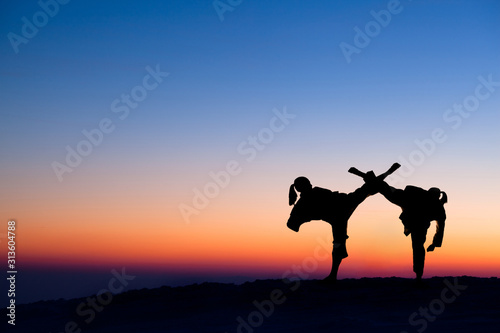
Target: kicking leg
(392, 194)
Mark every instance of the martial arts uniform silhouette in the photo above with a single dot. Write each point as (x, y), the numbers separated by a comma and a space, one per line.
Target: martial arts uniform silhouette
(420, 208)
(317, 203)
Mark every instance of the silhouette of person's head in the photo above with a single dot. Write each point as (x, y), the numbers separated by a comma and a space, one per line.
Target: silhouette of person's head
(302, 184)
(436, 193)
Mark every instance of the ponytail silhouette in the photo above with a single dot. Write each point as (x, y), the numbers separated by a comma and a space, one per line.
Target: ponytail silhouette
(292, 195)
(444, 198)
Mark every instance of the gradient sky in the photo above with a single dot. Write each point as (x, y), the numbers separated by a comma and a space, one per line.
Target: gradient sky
(120, 207)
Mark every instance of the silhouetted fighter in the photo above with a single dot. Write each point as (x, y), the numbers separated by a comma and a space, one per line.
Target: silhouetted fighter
(317, 203)
(420, 208)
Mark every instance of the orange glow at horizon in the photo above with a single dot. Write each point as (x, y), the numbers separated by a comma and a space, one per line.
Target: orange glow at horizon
(90, 230)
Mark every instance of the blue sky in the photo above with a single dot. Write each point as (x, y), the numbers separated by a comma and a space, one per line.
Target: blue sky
(263, 55)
